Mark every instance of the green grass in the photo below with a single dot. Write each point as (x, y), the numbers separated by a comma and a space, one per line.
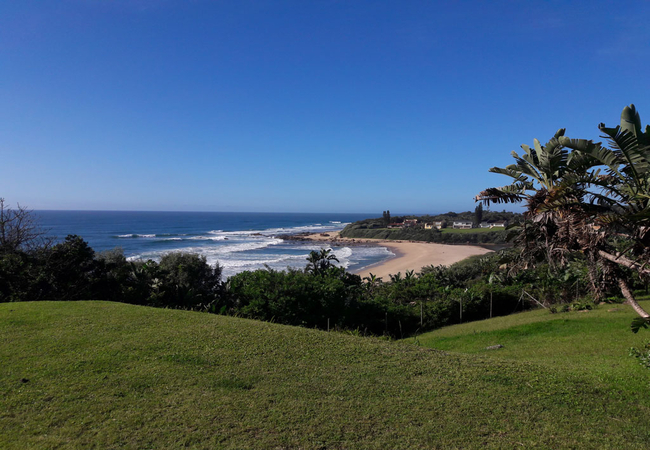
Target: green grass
(592, 344)
(471, 230)
(107, 375)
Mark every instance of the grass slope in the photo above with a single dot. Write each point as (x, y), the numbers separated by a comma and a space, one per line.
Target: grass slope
(591, 344)
(107, 375)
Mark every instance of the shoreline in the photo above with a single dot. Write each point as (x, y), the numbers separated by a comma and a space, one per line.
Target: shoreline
(409, 255)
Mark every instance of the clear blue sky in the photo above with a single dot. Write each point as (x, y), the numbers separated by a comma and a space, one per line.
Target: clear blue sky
(300, 106)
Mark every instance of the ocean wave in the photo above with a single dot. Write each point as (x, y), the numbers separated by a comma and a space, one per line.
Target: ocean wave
(247, 246)
(221, 250)
(147, 236)
(314, 228)
(343, 253)
(208, 238)
(256, 262)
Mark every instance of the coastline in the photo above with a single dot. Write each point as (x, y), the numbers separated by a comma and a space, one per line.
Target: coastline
(409, 255)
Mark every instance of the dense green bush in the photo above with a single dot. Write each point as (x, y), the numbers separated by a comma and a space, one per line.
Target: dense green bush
(187, 281)
(294, 297)
(70, 270)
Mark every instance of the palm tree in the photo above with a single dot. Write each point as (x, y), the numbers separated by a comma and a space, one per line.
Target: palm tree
(372, 281)
(572, 207)
(320, 261)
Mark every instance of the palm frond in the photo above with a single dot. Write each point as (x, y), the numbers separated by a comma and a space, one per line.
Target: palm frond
(513, 193)
(626, 146)
(511, 171)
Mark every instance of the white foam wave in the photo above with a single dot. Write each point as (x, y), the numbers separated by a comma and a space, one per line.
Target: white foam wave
(208, 238)
(247, 246)
(315, 228)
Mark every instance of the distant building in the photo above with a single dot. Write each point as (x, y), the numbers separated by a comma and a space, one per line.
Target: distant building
(500, 224)
(395, 225)
(410, 222)
(463, 225)
(438, 224)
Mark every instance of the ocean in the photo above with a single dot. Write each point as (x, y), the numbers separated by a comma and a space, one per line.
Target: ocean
(236, 241)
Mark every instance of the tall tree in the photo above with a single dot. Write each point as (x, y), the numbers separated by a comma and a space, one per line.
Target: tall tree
(386, 218)
(320, 261)
(19, 230)
(478, 215)
(572, 207)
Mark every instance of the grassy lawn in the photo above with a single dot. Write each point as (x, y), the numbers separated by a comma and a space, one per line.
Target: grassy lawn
(107, 375)
(471, 230)
(592, 344)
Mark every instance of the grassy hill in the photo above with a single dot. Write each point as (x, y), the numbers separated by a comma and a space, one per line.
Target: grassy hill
(106, 375)
(591, 344)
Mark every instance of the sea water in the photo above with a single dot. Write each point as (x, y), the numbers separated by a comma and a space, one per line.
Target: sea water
(236, 241)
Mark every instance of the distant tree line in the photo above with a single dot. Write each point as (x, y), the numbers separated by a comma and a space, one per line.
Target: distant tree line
(357, 231)
(377, 228)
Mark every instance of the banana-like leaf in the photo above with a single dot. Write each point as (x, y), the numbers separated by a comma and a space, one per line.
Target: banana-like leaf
(638, 323)
(590, 149)
(631, 121)
(511, 171)
(513, 193)
(526, 167)
(553, 160)
(628, 148)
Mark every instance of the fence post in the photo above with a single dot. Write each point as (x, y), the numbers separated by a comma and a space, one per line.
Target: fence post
(490, 303)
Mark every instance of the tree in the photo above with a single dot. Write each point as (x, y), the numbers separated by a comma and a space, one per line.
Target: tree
(70, 270)
(320, 261)
(19, 230)
(478, 215)
(188, 280)
(572, 207)
(386, 218)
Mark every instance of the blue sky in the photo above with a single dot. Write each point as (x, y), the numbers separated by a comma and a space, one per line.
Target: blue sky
(300, 106)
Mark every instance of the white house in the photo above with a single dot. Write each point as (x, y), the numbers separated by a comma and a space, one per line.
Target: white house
(463, 225)
(501, 224)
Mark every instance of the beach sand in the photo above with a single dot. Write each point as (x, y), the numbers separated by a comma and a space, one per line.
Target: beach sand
(408, 255)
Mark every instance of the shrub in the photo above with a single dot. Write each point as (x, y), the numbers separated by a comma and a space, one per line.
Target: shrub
(186, 281)
(642, 355)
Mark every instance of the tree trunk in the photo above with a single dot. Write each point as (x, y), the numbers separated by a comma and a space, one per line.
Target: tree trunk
(629, 297)
(593, 280)
(624, 261)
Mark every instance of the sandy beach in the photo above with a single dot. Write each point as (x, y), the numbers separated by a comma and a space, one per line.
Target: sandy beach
(409, 255)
